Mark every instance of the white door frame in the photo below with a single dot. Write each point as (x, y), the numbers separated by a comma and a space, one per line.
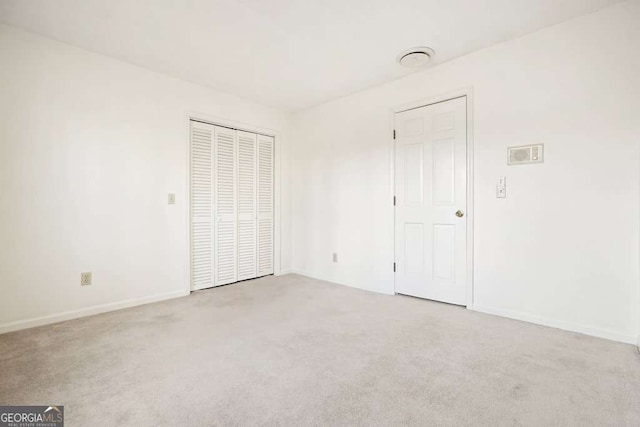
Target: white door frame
(277, 148)
(468, 92)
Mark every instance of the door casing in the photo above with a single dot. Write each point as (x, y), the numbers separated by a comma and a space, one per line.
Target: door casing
(468, 93)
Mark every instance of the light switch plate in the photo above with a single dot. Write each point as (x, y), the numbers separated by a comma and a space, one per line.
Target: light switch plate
(501, 188)
(172, 199)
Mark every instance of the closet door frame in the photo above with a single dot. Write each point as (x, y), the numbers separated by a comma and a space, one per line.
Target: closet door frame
(277, 167)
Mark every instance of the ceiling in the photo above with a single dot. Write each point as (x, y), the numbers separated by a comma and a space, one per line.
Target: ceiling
(290, 54)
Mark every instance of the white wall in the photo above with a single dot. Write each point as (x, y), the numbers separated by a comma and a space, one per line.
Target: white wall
(89, 149)
(563, 248)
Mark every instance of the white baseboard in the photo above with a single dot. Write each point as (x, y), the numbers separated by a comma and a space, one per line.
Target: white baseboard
(303, 273)
(283, 272)
(328, 279)
(96, 309)
(567, 326)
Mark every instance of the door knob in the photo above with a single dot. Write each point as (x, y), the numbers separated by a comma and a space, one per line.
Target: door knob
(459, 214)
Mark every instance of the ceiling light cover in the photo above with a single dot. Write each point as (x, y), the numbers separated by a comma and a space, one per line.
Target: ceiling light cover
(415, 57)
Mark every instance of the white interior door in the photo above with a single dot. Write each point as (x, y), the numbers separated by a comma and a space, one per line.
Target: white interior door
(431, 194)
(247, 205)
(225, 199)
(202, 137)
(265, 204)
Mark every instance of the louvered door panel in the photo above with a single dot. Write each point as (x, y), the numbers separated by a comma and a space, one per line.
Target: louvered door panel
(265, 204)
(247, 221)
(225, 196)
(201, 205)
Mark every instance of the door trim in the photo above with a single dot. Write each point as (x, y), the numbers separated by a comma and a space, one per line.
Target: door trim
(277, 192)
(464, 92)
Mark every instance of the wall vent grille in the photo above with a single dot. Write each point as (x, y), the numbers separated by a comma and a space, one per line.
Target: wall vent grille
(525, 154)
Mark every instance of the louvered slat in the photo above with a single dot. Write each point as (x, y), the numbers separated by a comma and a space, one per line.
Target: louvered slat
(226, 252)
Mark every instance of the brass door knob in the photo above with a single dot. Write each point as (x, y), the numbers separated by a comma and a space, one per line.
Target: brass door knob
(459, 214)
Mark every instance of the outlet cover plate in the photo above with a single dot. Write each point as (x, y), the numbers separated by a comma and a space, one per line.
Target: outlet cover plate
(85, 279)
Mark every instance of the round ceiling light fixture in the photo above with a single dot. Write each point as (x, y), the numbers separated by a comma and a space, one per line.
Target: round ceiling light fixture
(415, 57)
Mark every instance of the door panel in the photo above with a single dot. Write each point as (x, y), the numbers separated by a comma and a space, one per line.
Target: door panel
(225, 196)
(444, 251)
(430, 181)
(414, 249)
(265, 204)
(443, 167)
(413, 174)
(247, 212)
(202, 136)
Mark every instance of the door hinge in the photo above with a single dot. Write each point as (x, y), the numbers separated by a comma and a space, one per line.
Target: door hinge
(394, 200)
(394, 134)
(394, 267)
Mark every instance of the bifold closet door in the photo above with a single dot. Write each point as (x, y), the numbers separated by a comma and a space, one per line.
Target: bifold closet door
(202, 137)
(231, 205)
(265, 204)
(247, 205)
(225, 196)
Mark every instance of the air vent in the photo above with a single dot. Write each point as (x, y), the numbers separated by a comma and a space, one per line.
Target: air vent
(415, 57)
(525, 154)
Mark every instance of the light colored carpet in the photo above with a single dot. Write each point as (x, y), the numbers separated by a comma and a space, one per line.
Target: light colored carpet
(296, 351)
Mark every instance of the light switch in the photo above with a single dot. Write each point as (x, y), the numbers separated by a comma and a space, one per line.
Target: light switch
(172, 199)
(501, 188)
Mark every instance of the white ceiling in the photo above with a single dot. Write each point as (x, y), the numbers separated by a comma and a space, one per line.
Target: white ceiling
(285, 53)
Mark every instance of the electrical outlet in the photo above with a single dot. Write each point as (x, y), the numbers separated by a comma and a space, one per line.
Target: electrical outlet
(172, 199)
(85, 279)
(335, 257)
